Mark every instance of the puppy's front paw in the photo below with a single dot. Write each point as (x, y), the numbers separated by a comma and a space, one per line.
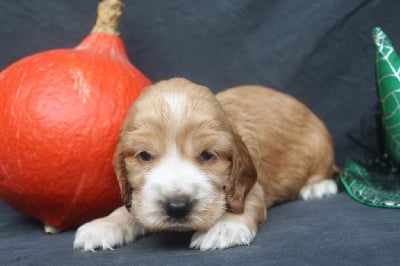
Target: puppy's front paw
(223, 234)
(104, 234)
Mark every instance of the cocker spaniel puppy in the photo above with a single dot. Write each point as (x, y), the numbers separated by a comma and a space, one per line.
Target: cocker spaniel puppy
(188, 160)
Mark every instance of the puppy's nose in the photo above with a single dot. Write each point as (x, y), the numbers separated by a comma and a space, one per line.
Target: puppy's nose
(178, 208)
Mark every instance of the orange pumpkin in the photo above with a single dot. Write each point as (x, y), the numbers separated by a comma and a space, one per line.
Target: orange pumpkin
(61, 111)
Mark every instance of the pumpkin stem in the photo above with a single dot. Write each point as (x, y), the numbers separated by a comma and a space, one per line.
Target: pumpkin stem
(108, 14)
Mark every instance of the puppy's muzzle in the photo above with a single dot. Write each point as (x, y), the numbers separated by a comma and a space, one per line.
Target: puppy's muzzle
(178, 208)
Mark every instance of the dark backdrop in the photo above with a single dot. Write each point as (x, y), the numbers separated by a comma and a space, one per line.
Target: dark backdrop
(319, 51)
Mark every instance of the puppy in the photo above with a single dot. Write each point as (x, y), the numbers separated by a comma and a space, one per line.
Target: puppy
(188, 160)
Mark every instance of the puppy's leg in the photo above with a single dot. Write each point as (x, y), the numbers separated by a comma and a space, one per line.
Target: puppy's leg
(318, 188)
(234, 229)
(116, 229)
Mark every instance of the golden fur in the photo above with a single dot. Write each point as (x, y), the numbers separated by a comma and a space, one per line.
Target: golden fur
(229, 157)
(288, 144)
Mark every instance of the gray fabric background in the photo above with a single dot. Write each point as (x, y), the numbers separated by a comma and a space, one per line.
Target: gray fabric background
(319, 51)
(333, 231)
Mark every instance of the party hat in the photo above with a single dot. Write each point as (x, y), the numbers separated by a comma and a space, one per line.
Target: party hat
(366, 184)
(388, 91)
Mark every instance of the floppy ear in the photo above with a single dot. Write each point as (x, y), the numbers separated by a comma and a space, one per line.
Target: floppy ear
(243, 176)
(122, 175)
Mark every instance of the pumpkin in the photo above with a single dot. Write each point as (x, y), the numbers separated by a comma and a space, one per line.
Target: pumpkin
(61, 111)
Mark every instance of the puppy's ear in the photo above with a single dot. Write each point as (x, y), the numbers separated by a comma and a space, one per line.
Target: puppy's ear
(122, 175)
(243, 176)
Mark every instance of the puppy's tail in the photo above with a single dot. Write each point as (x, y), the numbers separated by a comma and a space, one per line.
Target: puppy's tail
(335, 172)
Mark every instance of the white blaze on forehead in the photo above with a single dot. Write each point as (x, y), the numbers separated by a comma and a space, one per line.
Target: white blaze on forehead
(176, 102)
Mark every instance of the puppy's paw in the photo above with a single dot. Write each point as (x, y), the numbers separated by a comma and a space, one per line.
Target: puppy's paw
(223, 234)
(319, 189)
(104, 234)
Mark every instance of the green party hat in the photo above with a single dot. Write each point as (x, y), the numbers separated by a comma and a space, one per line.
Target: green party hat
(370, 187)
(367, 184)
(388, 90)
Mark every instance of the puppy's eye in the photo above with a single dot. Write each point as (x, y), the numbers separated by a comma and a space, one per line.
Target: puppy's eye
(145, 156)
(206, 156)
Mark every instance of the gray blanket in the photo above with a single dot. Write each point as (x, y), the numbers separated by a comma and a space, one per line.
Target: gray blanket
(319, 51)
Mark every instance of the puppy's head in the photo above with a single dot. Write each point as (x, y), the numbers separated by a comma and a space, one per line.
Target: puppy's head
(178, 161)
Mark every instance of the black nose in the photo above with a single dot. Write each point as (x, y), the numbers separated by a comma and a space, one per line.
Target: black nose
(178, 208)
